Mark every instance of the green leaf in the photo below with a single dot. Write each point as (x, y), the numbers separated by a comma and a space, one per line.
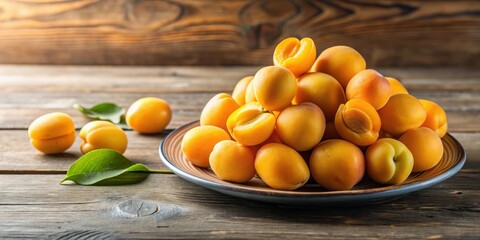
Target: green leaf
(103, 111)
(106, 167)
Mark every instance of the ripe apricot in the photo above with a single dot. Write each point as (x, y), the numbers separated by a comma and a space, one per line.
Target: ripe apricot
(371, 86)
(426, 147)
(388, 161)
(397, 86)
(52, 133)
(281, 167)
(401, 113)
(274, 138)
(232, 161)
(102, 134)
(249, 94)
(198, 143)
(149, 115)
(436, 117)
(240, 90)
(301, 126)
(217, 110)
(321, 89)
(358, 122)
(295, 55)
(337, 164)
(250, 124)
(341, 62)
(274, 87)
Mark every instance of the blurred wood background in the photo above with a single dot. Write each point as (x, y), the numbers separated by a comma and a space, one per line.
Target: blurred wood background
(397, 33)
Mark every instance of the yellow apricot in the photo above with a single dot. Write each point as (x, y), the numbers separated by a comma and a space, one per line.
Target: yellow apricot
(388, 161)
(321, 89)
(295, 55)
(337, 165)
(301, 126)
(52, 133)
(358, 122)
(340, 62)
(281, 167)
(250, 124)
(401, 113)
(148, 115)
(436, 117)
(198, 143)
(371, 86)
(240, 90)
(102, 134)
(274, 87)
(232, 161)
(217, 110)
(397, 86)
(426, 147)
(249, 94)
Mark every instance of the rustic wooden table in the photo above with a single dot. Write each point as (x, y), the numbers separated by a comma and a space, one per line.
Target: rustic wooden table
(34, 204)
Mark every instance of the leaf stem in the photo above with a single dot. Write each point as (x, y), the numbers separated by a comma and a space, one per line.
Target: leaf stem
(161, 171)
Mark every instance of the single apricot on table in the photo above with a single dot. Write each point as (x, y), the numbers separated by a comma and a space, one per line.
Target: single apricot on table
(337, 164)
(217, 110)
(250, 124)
(401, 113)
(149, 115)
(281, 167)
(340, 62)
(198, 143)
(358, 122)
(240, 90)
(426, 147)
(102, 134)
(301, 126)
(388, 161)
(52, 133)
(397, 86)
(274, 87)
(436, 117)
(321, 89)
(369, 85)
(295, 55)
(232, 161)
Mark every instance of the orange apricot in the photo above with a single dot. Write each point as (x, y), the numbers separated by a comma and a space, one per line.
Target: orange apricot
(281, 167)
(249, 94)
(217, 110)
(337, 164)
(274, 87)
(240, 90)
(401, 113)
(436, 117)
(149, 115)
(102, 134)
(250, 124)
(232, 161)
(198, 143)
(341, 62)
(358, 122)
(296, 55)
(52, 133)
(397, 86)
(371, 86)
(426, 147)
(322, 90)
(301, 126)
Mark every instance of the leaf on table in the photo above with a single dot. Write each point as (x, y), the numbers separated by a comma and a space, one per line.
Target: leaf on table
(104, 111)
(105, 167)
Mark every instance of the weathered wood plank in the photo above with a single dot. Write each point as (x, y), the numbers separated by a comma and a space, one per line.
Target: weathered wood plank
(17, 155)
(36, 206)
(244, 32)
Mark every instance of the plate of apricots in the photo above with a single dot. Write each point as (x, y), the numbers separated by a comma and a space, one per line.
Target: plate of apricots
(308, 130)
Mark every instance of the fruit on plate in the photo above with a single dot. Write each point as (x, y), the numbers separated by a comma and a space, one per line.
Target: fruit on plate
(397, 86)
(401, 113)
(274, 87)
(436, 117)
(217, 110)
(240, 90)
(232, 161)
(370, 86)
(52, 133)
(295, 55)
(198, 143)
(426, 147)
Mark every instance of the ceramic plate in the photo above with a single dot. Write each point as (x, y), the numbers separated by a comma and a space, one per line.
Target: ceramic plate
(366, 192)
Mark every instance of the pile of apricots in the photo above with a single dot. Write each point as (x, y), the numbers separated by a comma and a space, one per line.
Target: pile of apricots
(328, 118)
(54, 133)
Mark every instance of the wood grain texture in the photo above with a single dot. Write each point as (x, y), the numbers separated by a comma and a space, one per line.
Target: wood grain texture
(187, 211)
(241, 32)
(29, 91)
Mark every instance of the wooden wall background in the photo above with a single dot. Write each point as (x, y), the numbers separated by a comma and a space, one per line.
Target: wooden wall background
(396, 33)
